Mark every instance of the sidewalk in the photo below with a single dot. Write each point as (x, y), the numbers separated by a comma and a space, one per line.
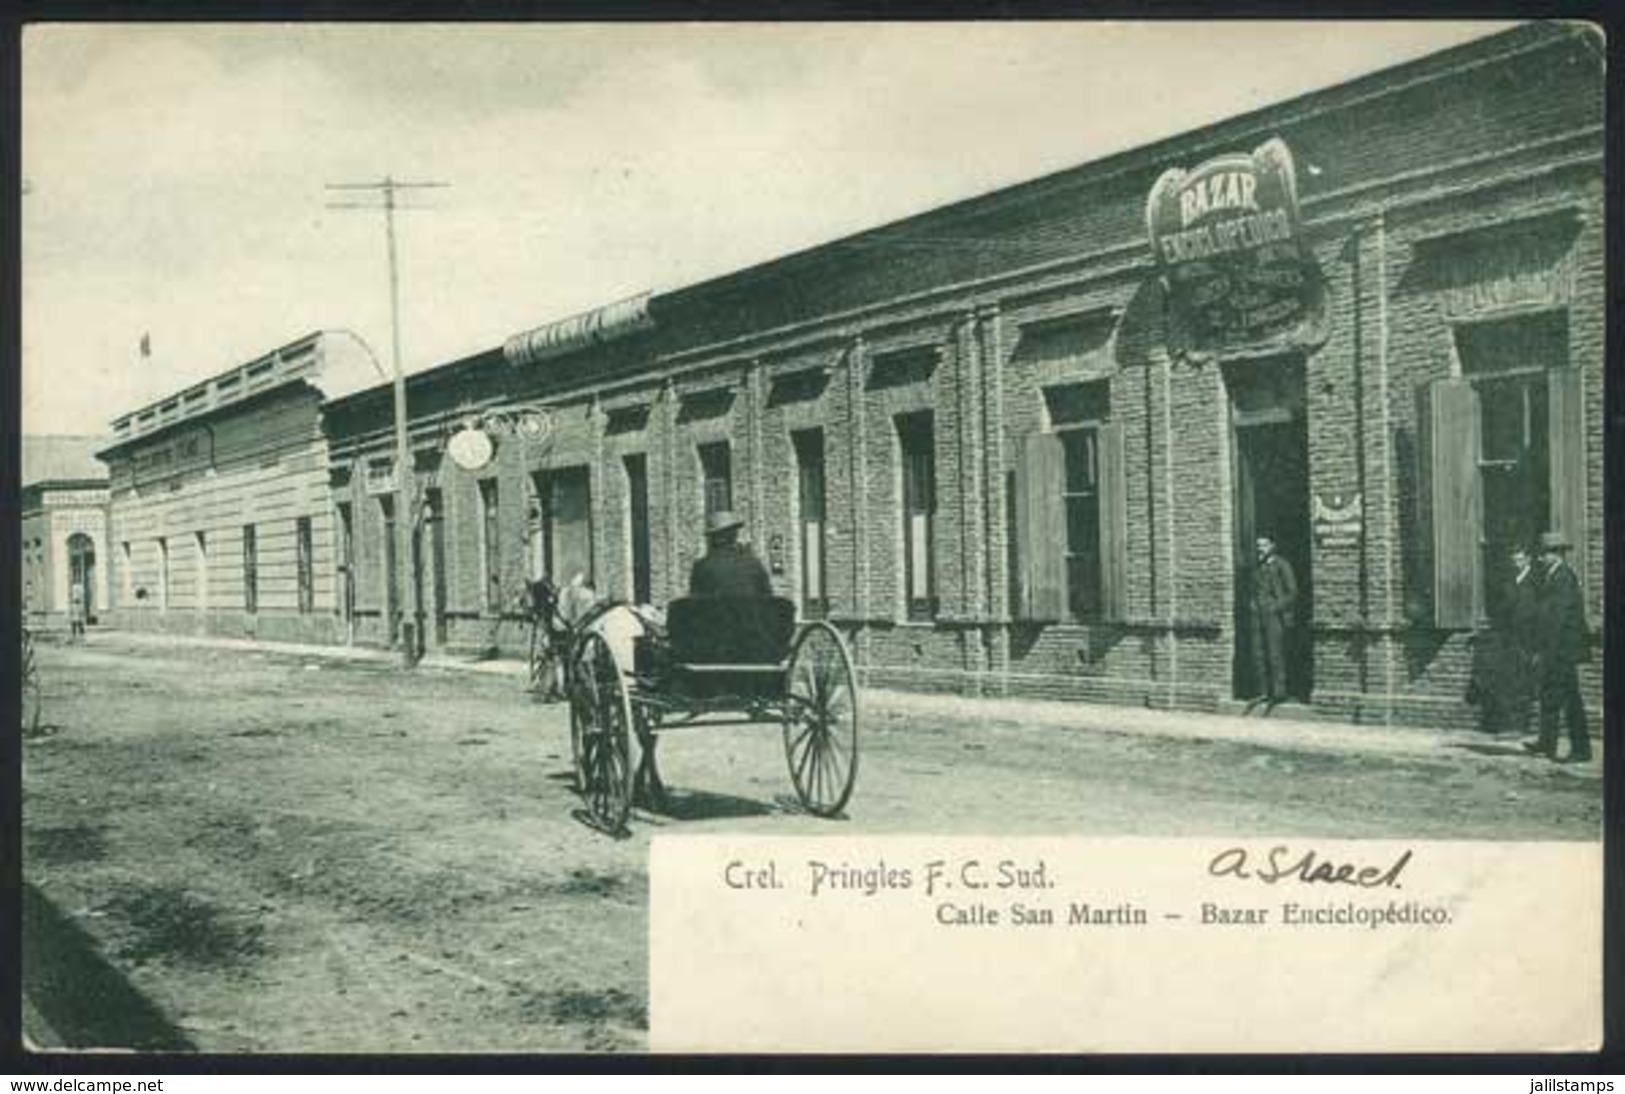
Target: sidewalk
(1279, 730)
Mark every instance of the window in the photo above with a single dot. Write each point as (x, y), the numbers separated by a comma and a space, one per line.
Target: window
(126, 576)
(307, 579)
(1504, 459)
(251, 570)
(1081, 494)
(490, 546)
(917, 460)
(1076, 413)
(637, 517)
(809, 446)
(1070, 511)
(716, 468)
(163, 574)
(200, 546)
(566, 498)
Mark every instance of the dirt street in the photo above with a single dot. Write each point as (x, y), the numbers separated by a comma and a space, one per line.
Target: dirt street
(282, 853)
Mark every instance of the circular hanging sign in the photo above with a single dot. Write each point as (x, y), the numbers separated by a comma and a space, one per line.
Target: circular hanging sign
(470, 449)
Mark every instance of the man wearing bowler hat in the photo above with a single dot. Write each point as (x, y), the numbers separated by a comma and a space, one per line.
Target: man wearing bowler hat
(729, 568)
(1561, 643)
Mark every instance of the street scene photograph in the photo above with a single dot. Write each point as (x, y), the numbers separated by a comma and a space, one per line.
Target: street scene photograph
(459, 457)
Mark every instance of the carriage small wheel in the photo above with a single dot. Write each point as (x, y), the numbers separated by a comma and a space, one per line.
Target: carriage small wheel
(600, 732)
(539, 663)
(821, 720)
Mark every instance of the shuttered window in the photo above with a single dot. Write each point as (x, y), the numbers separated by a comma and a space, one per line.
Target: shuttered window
(1113, 524)
(917, 459)
(1565, 401)
(1041, 529)
(1070, 512)
(1449, 422)
(1528, 449)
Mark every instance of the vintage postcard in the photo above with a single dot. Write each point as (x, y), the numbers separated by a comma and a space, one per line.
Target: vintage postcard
(1053, 537)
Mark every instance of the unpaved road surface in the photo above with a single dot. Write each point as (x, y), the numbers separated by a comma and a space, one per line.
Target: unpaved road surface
(265, 852)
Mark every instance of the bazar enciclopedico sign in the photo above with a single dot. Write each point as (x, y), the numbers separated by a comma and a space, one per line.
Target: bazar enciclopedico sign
(1230, 246)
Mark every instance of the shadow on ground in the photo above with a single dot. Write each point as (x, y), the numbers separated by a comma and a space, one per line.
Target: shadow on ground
(85, 1001)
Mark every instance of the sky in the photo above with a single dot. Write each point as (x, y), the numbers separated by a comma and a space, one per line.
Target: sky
(175, 175)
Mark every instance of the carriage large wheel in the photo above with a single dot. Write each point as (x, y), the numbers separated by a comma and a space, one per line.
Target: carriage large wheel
(600, 732)
(821, 720)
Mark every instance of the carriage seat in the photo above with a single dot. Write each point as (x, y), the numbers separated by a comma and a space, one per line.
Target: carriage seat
(726, 634)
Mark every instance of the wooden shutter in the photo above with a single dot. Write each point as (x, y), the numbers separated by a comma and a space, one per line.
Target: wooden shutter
(1113, 524)
(1566, 441)
(1449, 452)
(1041, 528)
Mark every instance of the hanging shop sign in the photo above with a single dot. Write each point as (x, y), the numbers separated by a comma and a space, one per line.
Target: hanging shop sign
(470, 448)
(1338, 520)
(589, 328)
(1230, 247)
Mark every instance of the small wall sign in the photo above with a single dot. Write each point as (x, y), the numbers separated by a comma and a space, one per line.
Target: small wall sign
(1338, 520)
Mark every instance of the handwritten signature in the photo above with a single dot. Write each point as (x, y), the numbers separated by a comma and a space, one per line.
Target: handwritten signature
(1308, 867)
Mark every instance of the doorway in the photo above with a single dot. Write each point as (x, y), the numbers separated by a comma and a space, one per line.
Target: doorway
(1271, 452)
(82, 572)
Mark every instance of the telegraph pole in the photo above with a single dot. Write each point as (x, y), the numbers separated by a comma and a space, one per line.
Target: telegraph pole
(405, 525)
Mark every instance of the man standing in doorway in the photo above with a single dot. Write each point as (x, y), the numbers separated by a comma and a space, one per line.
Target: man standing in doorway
(1561, 643)
(76, 611)
(1275, 606)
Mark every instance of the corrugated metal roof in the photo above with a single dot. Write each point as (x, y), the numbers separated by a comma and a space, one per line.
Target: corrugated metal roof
(61, 458)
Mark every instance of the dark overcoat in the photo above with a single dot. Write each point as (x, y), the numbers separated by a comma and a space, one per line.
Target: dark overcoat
(729, 569)
(1275, 590)
(1560, 627)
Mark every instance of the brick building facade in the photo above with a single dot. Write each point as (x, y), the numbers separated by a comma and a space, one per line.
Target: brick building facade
(987, 444)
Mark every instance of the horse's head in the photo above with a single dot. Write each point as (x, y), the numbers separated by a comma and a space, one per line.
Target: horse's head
(544, 597)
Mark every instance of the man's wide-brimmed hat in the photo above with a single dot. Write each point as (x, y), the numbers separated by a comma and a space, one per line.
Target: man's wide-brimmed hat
(723, 520)
(1554, 541)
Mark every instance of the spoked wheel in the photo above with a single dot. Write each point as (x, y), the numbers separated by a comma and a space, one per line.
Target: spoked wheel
(821, 720)
(600, 733)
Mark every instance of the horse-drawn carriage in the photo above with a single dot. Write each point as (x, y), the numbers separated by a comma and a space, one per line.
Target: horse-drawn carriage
(711, 662)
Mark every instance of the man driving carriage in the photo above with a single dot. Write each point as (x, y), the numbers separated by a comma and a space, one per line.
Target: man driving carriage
(728, 568)
(729, 653)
